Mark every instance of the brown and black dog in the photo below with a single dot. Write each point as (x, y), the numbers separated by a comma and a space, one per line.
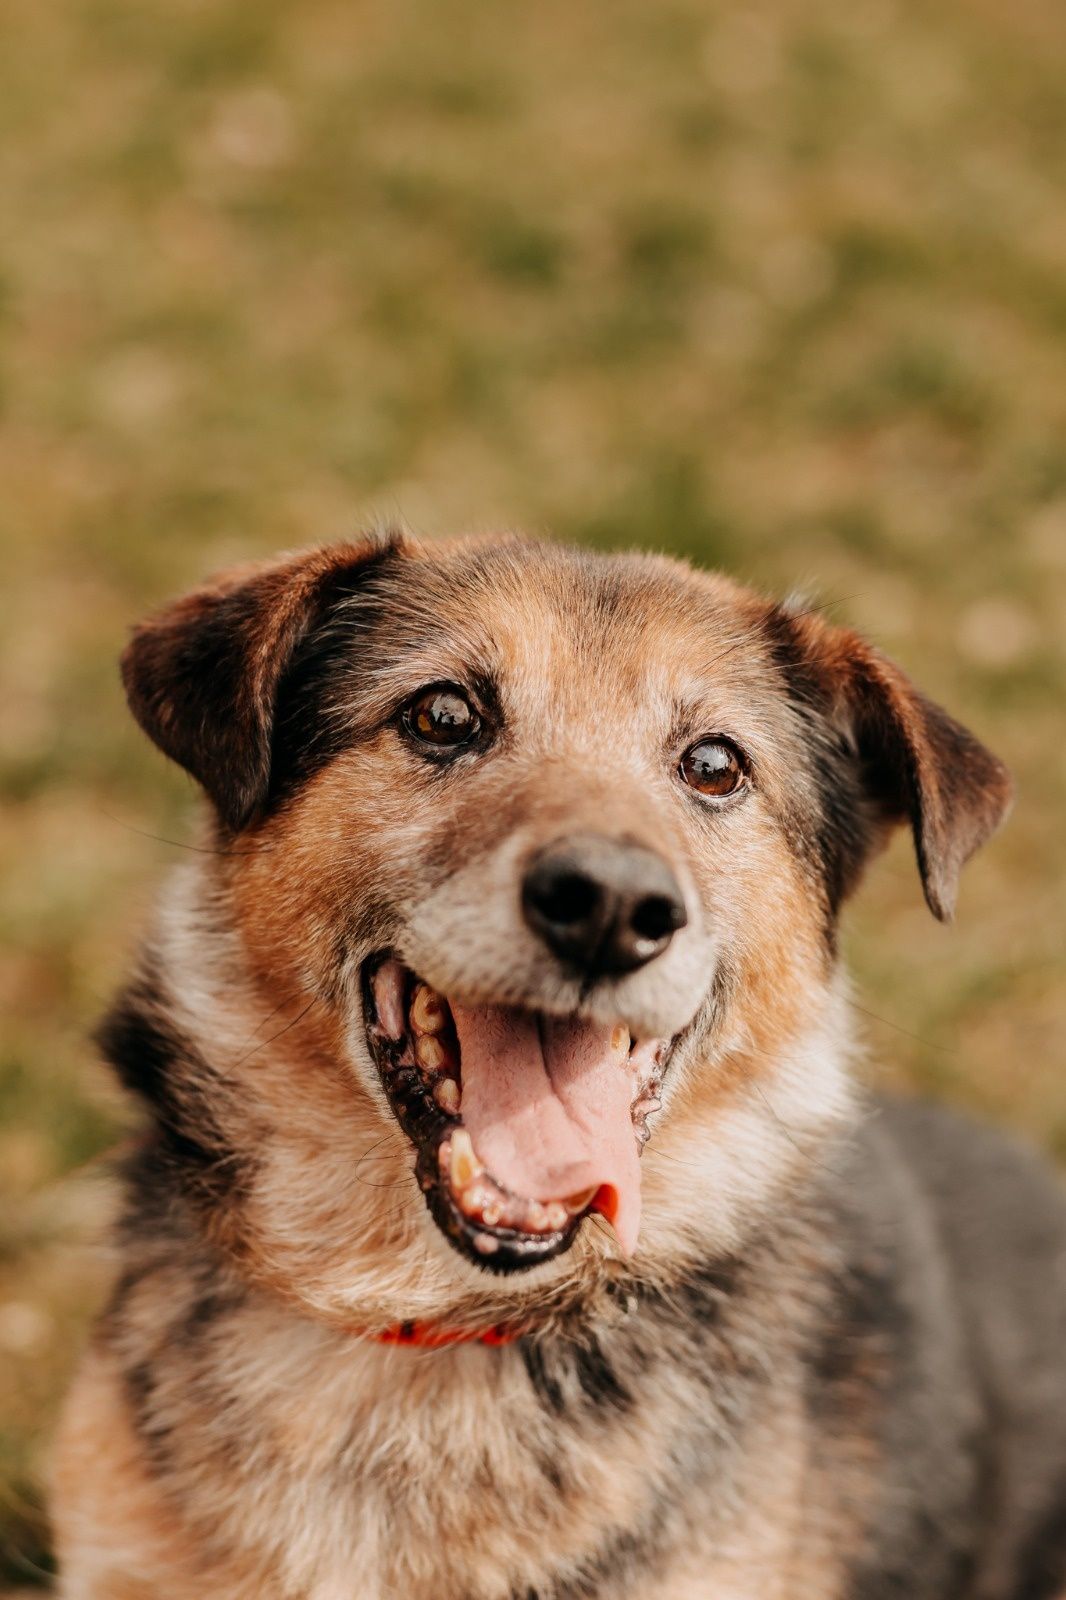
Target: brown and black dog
(507, 1227)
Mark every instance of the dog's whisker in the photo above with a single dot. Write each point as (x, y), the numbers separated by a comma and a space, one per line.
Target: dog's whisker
(183, 844)
(886, 1022)
(266, 1043)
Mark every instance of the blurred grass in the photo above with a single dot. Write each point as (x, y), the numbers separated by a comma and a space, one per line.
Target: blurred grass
(777, 286)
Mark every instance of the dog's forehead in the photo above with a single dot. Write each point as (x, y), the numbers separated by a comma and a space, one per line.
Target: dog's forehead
(537, 618)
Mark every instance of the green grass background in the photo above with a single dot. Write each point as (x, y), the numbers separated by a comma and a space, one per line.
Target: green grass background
(778, 286)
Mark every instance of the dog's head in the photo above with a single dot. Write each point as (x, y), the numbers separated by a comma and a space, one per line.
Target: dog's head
(540, 855)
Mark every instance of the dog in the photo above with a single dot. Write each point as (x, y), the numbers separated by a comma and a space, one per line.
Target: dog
(508, 1224)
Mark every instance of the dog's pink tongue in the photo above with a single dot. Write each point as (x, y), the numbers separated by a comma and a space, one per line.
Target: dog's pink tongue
(547, 1107)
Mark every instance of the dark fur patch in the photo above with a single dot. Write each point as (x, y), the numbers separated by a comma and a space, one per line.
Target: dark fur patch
(1044, 1560)
(545, 1384)
(140, 1385)
(307, 732)
(576, 1375)
(895, 1575)
(628, 1559)
(836, 840)
(166, 1072)
(883, 749)
(710, 1288)
(866, 1320)
(598, 1379)
(203, 677)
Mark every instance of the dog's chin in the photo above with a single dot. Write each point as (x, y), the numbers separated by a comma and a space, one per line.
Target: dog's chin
(415, 1045)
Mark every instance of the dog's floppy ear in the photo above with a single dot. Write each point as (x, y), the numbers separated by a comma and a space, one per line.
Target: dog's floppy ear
(202, 676)
(916, 763)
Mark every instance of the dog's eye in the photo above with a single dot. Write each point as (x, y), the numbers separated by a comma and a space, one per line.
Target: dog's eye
(442, 716)
(712, 767)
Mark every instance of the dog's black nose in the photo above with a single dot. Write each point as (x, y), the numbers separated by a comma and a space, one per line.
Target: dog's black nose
(601, 904)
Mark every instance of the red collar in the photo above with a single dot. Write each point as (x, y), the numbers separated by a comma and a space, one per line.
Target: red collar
(430, 1336)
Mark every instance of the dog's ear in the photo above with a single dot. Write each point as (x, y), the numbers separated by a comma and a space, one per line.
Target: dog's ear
(915, 763)
(202, 676)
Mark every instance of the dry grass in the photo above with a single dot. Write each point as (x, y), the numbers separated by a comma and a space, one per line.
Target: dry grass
(780, 286)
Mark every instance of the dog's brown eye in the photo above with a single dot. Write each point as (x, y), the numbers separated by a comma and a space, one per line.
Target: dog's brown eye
(712, 767)
(442, 716)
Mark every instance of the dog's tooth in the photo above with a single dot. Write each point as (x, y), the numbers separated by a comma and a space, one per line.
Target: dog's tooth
(578, 1202)
(447, 1095)
(479, 1196)
(620, 1040)
(429, 1010)
(491, 1214)
(432, 1054)
(465, 1166)
(485, 1244)
(555, 1215)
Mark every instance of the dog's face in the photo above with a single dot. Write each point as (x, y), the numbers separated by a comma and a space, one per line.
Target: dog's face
(554, 846)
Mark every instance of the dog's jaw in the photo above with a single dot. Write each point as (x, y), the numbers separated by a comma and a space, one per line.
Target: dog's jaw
(414, 1043)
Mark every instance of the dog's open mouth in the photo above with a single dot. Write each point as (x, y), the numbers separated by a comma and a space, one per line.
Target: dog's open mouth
(523, 1124)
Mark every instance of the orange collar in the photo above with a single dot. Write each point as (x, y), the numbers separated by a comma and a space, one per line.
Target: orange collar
(429, 1336)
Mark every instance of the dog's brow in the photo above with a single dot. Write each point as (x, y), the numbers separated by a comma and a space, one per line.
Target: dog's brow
(380, 688)
(699, 694)
(693, 714)
(439, 662)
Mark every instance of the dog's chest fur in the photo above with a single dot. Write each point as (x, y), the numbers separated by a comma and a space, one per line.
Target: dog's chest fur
(662, 1451)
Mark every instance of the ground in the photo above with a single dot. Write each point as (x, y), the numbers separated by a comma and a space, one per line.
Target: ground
(779, 286)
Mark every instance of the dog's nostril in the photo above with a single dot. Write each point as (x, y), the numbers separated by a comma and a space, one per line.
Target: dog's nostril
(602, 905)
(568, 898)
(657, 916)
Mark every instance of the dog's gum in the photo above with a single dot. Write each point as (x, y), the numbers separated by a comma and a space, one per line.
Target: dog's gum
(429, 1011)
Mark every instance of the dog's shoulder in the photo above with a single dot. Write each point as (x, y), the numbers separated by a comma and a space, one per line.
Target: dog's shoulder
(997, 1210)
(946, 1336)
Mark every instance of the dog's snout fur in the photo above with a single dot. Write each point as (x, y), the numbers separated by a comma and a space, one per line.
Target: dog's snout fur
(603, 906)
